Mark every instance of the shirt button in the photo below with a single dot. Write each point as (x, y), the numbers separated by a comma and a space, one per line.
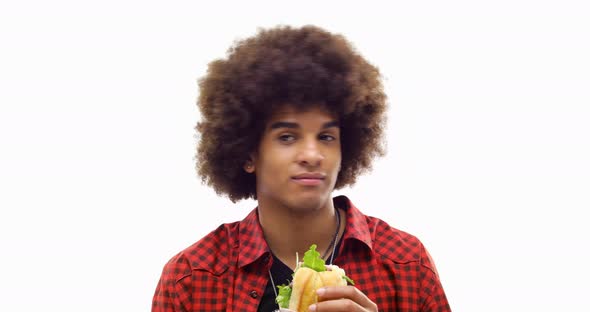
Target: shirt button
(254, 294)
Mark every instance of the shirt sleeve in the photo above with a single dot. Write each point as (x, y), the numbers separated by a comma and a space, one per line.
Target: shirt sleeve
(436, 301)
(433, 295)
(171, 294)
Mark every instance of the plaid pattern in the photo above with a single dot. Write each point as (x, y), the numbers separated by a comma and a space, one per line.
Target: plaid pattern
(227, 269)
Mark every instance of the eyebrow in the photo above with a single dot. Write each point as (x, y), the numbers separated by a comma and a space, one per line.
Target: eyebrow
(294, 125)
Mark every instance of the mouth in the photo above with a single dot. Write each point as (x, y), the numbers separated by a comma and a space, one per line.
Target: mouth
(309, 179)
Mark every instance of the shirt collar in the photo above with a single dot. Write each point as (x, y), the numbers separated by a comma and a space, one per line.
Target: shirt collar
(356, 223)
(252, 244)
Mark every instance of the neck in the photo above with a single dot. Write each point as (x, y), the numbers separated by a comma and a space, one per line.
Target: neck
(290, 231)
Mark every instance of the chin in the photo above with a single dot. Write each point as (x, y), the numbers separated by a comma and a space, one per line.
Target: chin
(310, 202)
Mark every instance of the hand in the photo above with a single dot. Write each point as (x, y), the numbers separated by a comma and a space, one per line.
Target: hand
(342, 298)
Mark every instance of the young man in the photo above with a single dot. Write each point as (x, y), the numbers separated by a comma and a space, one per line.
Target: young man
(290, 115)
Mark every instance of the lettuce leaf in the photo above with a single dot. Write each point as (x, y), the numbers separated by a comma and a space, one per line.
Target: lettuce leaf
(284, 296)
(348, 280)
(313, 260)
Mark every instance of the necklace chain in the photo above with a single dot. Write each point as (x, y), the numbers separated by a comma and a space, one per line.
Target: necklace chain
(332, 245)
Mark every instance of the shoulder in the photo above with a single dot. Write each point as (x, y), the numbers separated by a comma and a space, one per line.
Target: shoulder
(381, 238)
(397, 245)
(211, 254)
(196, 267)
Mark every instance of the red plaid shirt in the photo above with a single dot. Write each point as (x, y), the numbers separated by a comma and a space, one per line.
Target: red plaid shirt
(227, 270)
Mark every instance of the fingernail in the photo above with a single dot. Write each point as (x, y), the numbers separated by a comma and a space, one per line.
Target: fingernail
(312, 308)
(321, 291)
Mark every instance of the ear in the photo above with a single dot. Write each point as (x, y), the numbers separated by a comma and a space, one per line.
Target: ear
(249, 167)
(249, 164)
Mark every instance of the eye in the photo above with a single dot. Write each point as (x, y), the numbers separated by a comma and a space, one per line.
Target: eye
(327, 137)
(286, 137)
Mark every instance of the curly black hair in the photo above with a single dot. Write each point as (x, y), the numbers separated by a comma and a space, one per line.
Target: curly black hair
(299, 66)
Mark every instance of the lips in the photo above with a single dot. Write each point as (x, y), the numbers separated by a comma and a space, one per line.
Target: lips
(309, 178)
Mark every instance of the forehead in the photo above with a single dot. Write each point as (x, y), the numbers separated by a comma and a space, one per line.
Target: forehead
(289, 112)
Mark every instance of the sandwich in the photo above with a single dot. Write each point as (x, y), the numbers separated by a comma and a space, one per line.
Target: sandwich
(309, 275)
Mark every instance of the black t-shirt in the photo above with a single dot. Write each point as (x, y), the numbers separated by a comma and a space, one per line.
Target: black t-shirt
(282, 275)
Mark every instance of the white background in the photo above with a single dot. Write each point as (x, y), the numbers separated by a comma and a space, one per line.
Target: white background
(488, 143)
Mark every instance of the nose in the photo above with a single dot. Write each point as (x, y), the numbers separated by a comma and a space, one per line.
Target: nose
(310, 153)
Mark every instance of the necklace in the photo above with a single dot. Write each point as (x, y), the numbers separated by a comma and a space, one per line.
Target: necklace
(332, 245)
(334, 239)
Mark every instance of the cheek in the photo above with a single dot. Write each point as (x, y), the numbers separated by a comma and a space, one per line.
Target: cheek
(274, 164)
(336, 156)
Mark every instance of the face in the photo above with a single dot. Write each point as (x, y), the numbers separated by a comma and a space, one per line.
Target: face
(298, 159)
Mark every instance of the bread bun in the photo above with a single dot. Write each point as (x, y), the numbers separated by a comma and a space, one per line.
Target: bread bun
(307, 281)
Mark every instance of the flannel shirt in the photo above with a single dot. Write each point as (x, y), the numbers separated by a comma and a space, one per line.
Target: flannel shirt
(227, 270)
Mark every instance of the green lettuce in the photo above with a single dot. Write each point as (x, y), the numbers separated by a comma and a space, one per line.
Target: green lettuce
(284, 296)
(348, 280)
(313, 260)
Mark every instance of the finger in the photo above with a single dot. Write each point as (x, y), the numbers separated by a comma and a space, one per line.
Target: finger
(337, 305)
(348, 292)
